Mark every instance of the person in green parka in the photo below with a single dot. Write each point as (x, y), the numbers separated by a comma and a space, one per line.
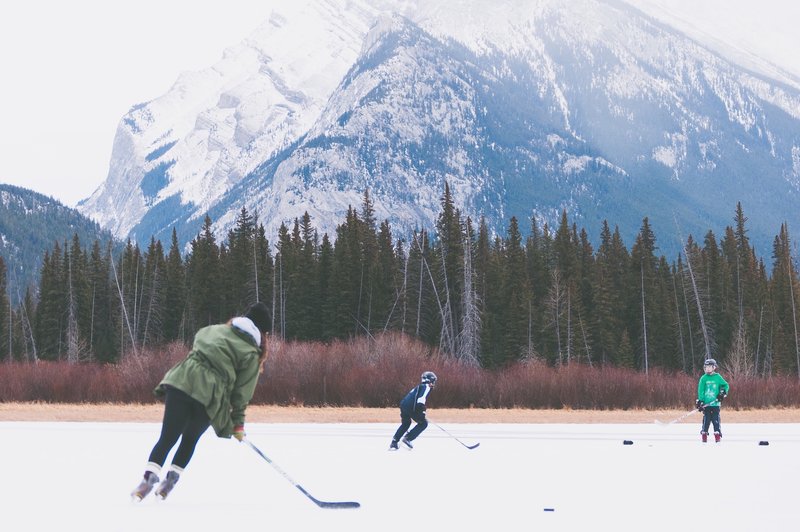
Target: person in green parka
(212, 386)
(711, 390)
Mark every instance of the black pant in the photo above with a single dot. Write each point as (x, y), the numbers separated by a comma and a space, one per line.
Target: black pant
(711, 415)
(184, 418)
(405, 422)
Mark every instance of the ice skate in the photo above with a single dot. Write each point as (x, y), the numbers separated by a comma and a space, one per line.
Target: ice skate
(704, 436)
(393, 445)
(407, 443)
(166, 486)
(717, 437)
(145, 486)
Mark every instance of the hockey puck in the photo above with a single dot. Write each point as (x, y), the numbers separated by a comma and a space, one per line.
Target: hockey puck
(763, 442)
(627, 442)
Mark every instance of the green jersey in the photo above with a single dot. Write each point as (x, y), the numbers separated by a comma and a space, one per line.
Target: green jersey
(709, 387)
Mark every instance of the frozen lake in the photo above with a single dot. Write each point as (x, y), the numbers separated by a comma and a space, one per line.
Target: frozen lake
(78, 476)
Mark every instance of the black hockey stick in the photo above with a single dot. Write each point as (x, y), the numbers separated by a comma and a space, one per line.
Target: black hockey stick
(321, 504)
(459, 441)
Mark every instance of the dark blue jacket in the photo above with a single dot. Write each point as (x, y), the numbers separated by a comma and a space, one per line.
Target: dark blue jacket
(414, 401)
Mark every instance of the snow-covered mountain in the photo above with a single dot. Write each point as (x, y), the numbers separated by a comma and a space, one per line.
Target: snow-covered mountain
(524, 107)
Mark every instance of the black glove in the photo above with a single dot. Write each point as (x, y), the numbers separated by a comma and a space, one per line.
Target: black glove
(722, 395)
(419, 409)
(700, 405)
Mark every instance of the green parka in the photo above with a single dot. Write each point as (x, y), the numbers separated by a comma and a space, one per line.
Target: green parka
(221, 372)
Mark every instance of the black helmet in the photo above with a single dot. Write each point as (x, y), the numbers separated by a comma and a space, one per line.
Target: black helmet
(429, 377)
(710, 362)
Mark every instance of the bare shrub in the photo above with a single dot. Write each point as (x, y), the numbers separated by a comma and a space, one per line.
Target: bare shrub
(740, 362)
(348, 372)
(61, 382)
(379, 371)
(137, 375)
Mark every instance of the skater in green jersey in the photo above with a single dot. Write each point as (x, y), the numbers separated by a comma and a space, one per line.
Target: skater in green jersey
(711, 390)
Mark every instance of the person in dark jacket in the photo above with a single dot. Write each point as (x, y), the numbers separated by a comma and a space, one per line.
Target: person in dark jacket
(212, 386)
(412, 407)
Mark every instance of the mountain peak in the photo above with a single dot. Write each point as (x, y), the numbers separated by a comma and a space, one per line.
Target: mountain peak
(525, 108)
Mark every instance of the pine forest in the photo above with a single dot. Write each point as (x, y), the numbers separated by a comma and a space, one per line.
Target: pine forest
(535, 295)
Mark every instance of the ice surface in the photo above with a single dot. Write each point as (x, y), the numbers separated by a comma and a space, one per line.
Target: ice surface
(78, 476)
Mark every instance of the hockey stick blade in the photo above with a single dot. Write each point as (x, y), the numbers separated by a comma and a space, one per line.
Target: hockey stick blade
(470, 447)
(333, 505)
(680, 418)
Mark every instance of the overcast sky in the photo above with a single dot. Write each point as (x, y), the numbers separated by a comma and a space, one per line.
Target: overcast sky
(72, 69)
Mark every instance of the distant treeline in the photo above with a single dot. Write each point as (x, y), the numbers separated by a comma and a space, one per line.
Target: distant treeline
(484, 300)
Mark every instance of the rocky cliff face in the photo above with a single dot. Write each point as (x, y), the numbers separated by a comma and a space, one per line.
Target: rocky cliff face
(525, 108)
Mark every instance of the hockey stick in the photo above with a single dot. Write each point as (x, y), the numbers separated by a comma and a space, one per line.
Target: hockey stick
(679, 418)
(459, 441)
(321, 504)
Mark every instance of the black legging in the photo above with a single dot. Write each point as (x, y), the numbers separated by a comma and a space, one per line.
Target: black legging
(405, 422)
(184, 418)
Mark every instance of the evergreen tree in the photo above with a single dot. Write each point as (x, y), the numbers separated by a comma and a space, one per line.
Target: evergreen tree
(174, 293)
(350, 275)
(585, 308)
(305, 280)
(721, 296)
(626, 353)
(52, 307)
(325, 284)
(786, 344)
(104, 329)
(687, 319)
(665, 343)
(423, 299)
(131, 286)
(153, 295)
(385, 279)
(539, 276)
(78, 302)
(398, 319)
(643, 273)
(5, 316)
(562, 297)
(203, 278)
(240, 266)
(514, 290)
(283, 267)
(449, 264)
(265, 266)
(487, 281)
(365, 241)
(564, 249)
(470, 333)
(748, 285)
(613, 265)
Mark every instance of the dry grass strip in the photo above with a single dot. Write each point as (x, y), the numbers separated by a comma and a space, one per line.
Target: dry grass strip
(299, 414)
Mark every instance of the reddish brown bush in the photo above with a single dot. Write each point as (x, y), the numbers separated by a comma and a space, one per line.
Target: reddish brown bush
(379, 372)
